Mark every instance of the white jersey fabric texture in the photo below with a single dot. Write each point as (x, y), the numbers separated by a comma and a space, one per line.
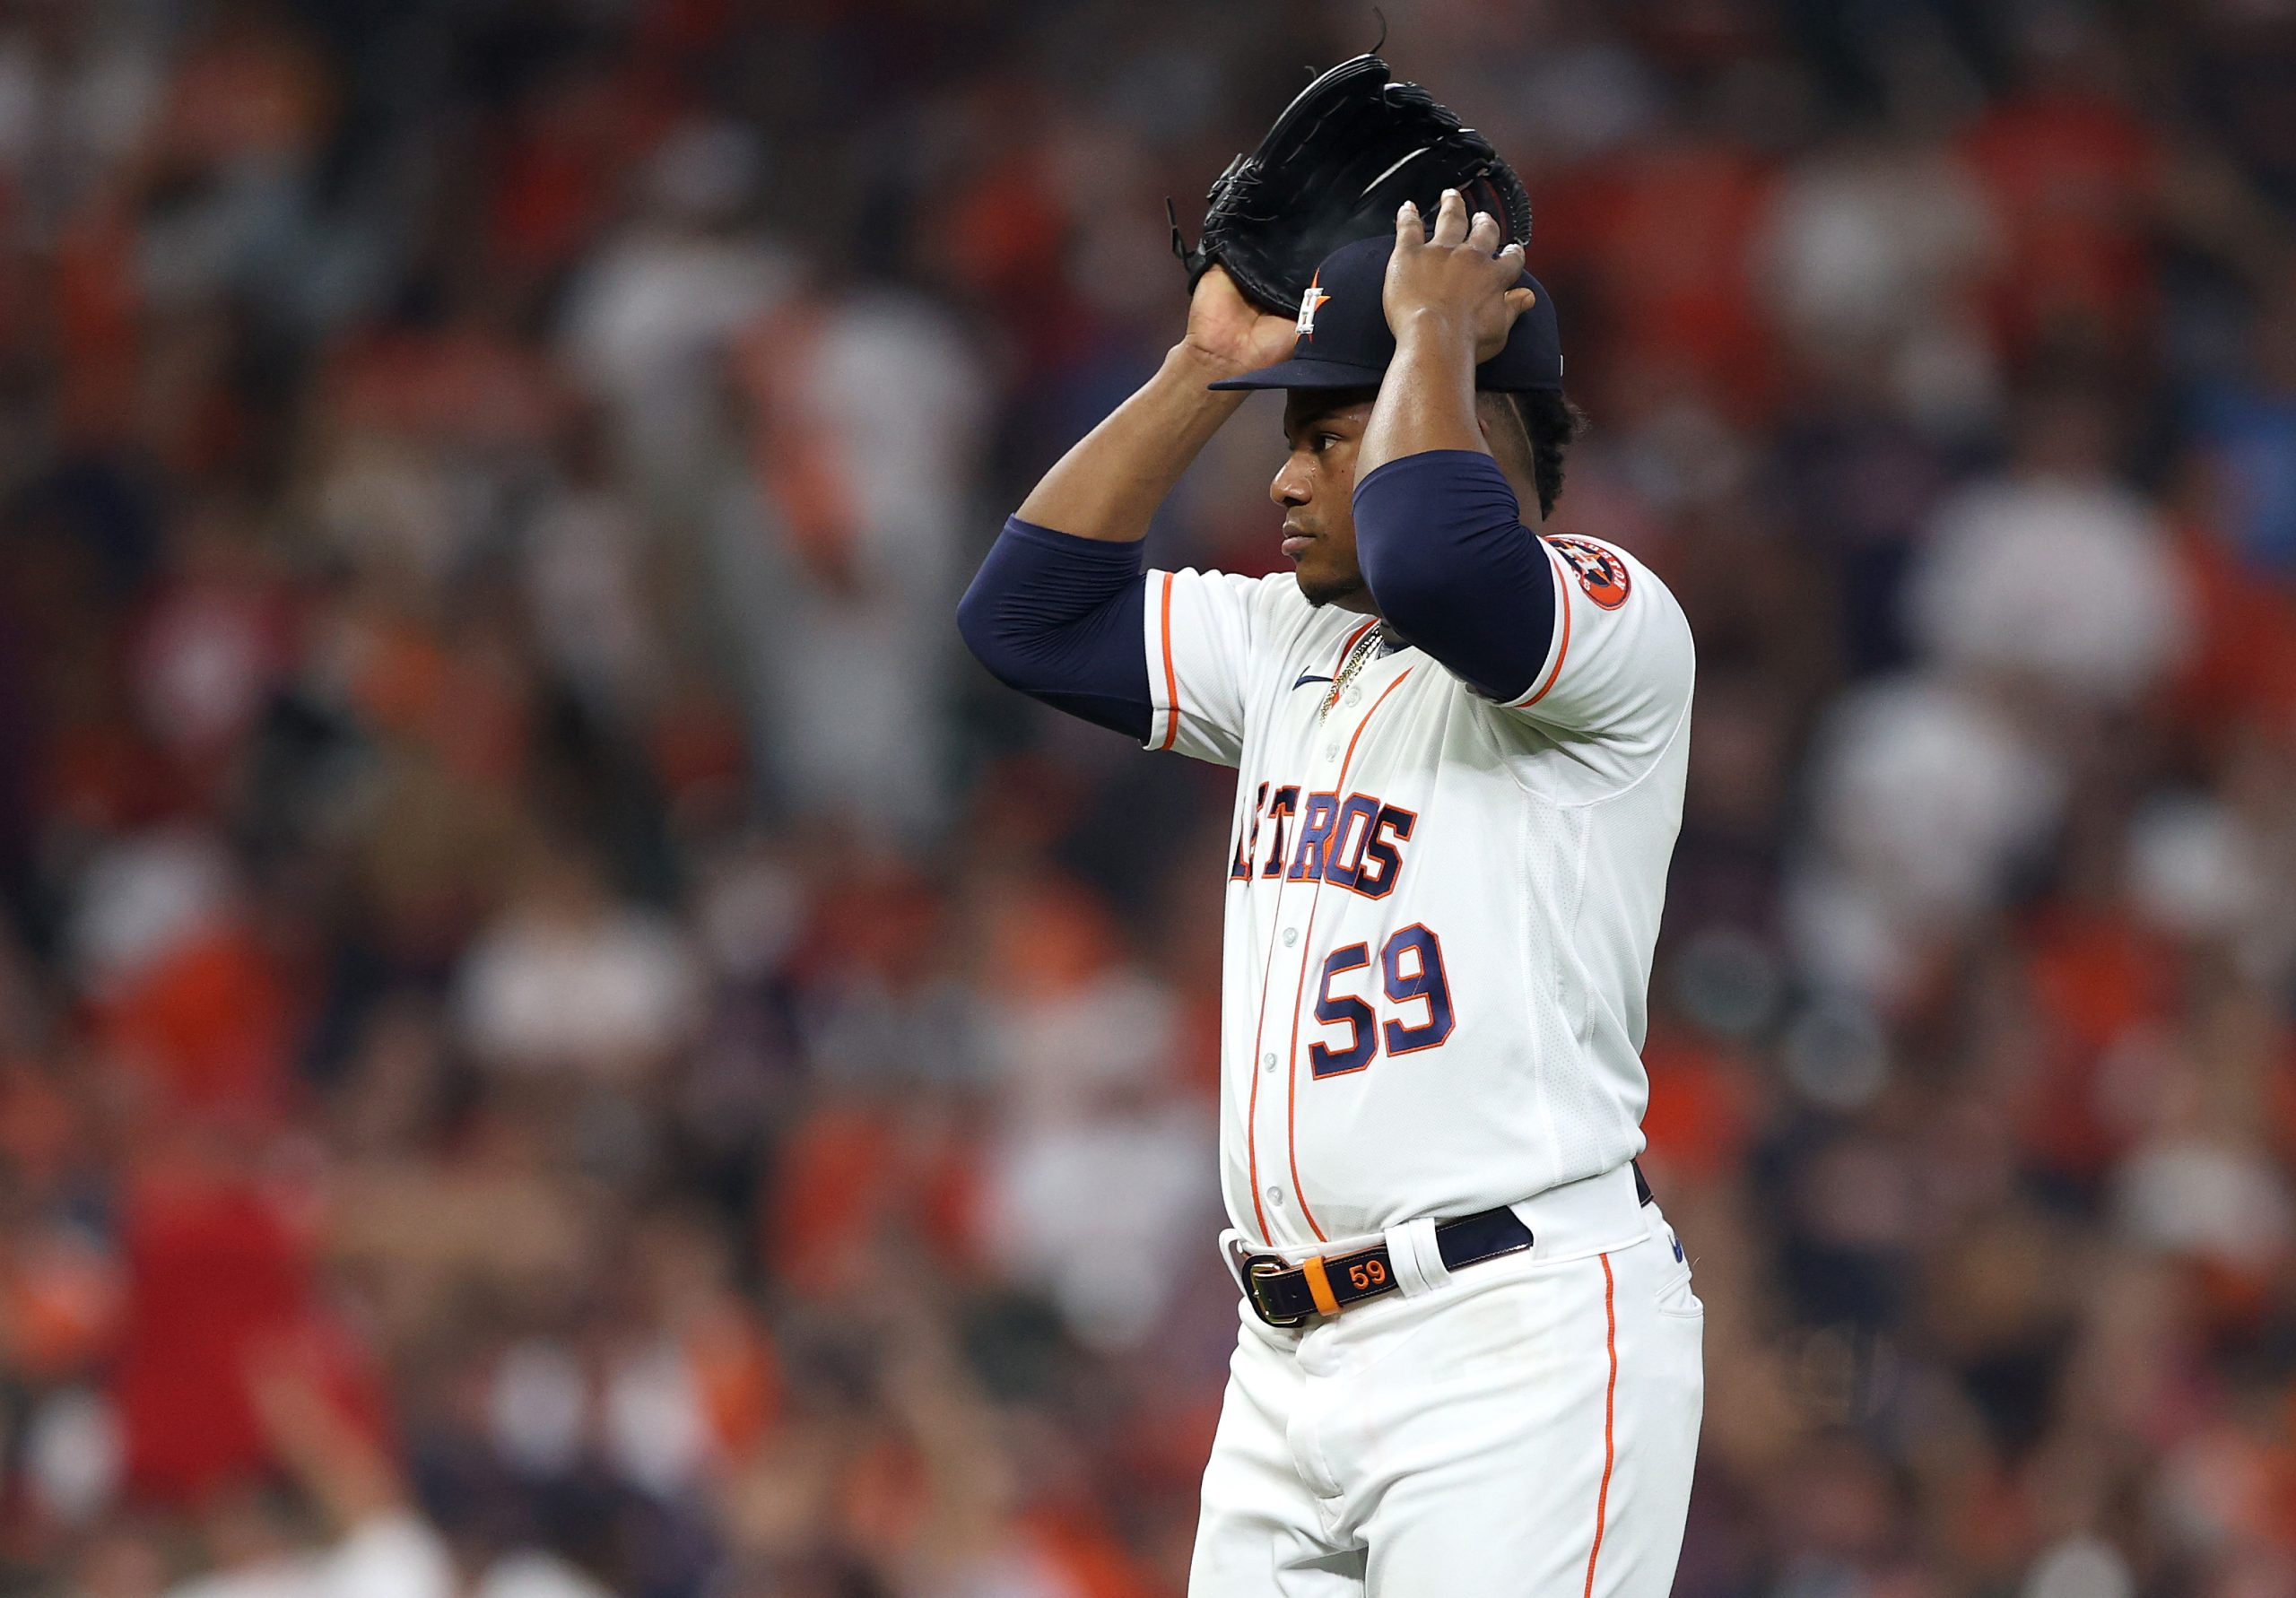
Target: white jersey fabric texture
(1441, 908)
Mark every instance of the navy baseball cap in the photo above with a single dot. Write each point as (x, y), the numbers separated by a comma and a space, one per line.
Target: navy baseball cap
(1344, 342)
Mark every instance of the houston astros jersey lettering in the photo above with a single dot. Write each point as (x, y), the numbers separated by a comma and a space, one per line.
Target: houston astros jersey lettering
(1441, 910)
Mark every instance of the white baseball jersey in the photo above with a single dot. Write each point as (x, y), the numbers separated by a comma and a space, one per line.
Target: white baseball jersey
(1441, 908)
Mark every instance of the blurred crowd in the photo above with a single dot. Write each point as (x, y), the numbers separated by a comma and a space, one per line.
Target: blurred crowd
(558, 1039)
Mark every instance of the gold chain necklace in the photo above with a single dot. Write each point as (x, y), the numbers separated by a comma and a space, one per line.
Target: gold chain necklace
(1356, 657)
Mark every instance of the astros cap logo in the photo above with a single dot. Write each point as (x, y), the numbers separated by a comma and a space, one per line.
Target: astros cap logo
(1310, 299)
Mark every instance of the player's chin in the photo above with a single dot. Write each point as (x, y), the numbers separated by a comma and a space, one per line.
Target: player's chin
(1320, 585)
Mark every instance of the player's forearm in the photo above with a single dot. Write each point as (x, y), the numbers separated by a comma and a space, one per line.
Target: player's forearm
(1427, 398)
(1109, 486)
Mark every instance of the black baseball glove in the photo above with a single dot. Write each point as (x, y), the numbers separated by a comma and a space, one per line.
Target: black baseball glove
(1336, 167)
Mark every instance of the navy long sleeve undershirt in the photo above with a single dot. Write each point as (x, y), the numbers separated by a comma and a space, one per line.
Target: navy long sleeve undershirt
(1062, 618)
(1443, 551)
(1441, 542)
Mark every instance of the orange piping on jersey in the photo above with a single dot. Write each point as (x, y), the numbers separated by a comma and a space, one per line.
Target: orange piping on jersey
(1307, 939)
(1319, 1285)
(1563, 600)
(1610, 1400)
(1171, 677)
(1340, 782)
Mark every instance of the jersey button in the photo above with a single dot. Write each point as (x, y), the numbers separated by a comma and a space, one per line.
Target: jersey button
(1276, 1197)
(1267, 1061)
(1354, 696)
(1331, 752)
(1290, 936)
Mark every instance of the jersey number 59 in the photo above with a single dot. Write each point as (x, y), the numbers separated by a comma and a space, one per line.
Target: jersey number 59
(1411, 965)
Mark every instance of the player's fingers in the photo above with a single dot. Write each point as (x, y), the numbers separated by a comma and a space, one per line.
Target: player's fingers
(1451, 219)
(1409, 232)
(1519, 300)
(1484, 232)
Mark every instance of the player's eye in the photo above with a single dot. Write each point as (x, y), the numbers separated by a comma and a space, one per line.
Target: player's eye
(1323, 441)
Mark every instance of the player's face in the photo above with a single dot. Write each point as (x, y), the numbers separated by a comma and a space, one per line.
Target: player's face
(1317, 489)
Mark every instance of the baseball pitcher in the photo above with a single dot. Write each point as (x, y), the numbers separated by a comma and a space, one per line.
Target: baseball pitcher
(1470, 1352)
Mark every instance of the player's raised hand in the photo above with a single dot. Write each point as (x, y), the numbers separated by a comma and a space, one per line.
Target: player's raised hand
(1228, 332)
(1453, 281)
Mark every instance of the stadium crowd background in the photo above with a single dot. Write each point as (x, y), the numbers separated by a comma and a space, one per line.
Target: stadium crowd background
(557, 1035)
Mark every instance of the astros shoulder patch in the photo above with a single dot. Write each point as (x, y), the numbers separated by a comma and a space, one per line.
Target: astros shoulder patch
(1601, 573)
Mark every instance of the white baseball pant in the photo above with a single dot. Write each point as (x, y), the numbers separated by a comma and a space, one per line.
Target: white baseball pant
(1521, 1428)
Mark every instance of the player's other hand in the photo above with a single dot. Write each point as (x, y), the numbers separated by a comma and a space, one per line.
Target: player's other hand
(1453, 283)
(1228, 333)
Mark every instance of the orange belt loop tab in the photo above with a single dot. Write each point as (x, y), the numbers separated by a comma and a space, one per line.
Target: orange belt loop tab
(1319, 1285)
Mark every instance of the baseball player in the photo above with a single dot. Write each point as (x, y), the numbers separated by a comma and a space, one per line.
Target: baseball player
(1470, 1354)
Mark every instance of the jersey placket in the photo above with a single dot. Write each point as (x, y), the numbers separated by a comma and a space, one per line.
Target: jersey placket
(1331, 742)
(1299, 734)
(1265, 1059)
